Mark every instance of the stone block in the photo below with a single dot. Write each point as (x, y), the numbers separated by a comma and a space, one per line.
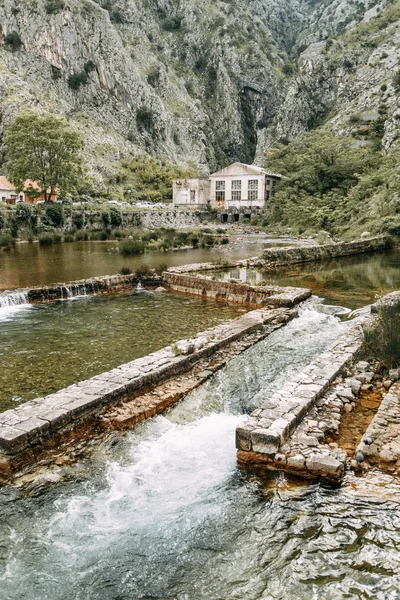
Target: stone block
(345, 395)
(325, 466)
(80, 405)
(296, 462)
(243, 437)
(13, 440)
(35, 428)
(57, 418)
(264, 441)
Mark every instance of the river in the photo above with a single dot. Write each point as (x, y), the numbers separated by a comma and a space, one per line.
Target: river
(163, 512)
(31, 264)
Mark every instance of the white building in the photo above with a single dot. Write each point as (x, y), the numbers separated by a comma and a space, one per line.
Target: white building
(192, 192)
(8, 193)
(234, 187)
(241, 186)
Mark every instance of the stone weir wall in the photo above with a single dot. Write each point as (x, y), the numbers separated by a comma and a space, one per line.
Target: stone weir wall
(25, 430)
(95, 285)
(269, 439)
(275, 257)
(235, 292)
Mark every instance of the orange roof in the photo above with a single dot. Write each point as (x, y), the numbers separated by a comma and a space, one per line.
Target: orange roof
(6, 185)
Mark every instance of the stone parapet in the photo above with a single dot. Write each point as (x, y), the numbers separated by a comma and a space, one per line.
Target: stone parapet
(238, 293)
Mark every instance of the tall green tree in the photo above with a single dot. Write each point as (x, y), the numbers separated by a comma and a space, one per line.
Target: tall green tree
(45, 150)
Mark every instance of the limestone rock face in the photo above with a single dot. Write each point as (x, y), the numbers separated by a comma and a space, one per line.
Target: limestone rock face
(209, 82)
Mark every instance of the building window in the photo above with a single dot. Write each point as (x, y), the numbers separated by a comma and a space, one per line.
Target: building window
(268, 182)
(220, 191)
(192, 195)
(236, 190)
(267, 195)
(252, 190)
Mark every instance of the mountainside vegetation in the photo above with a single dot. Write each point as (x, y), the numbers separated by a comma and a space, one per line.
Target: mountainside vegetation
(331, 184)
(150, 84)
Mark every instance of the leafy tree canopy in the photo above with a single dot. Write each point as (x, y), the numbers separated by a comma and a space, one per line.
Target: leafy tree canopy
(327, 178)
(43, 149)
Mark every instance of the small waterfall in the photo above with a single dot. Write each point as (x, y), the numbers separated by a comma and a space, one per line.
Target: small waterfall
(74, 291)
(139, 287)
(8, 299)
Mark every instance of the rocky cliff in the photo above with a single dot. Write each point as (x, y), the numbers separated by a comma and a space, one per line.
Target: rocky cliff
(208, 81)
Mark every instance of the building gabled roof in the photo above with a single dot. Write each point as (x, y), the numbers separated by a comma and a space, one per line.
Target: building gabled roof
(6, 185)
(239, 169)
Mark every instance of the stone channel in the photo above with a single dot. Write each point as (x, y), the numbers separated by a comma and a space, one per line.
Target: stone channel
(272, 437)
(25, 429)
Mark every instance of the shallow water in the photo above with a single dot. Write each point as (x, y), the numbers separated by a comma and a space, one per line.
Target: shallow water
(352, 281)
(46, 347)
(163, 512)
(34, 265)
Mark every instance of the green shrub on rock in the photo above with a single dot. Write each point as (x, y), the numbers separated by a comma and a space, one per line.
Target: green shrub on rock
(382, 339)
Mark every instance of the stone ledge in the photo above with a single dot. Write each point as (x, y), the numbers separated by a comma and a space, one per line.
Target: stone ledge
(237, 293)
(274, 257)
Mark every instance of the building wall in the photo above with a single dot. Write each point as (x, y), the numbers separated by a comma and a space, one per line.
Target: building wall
(11, 196)
(191, 192)
(244, 182)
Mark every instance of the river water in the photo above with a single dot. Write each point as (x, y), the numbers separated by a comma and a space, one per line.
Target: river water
(163, 512)
(31, 264)
(50, 346)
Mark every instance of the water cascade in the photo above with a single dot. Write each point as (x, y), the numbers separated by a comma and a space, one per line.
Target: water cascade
(73, 291)
(163, 512)
(8, 299)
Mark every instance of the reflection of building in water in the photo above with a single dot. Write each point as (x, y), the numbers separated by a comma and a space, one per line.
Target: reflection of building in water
(239, 191)
(242, 274)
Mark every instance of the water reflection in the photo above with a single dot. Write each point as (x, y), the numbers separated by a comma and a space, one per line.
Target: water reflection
(30, 264)
(348, 281)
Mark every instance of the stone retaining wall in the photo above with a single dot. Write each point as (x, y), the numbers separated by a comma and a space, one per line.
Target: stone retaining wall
(262, 441)
(380, 444)
(32, 423)
(239, 293)
(281, 256)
